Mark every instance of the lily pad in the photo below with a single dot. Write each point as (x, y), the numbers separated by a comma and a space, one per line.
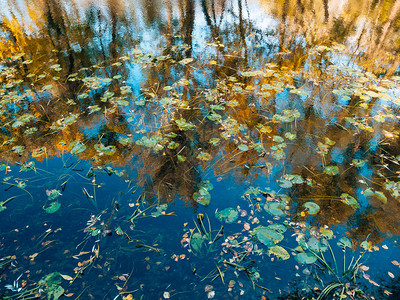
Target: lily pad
(284, 183)
(331, 170)
(359, 163)
(107, 150)
(275, 208)
(160, 210)
(372, 193)
(54, 206)
(345, 242)
(306, 258)
(228, 215)
(312, 207)
(53, 194)
(325, 232)
(316, 245)
(279, 252)
(243, 147)
(268, 236)
(196, 242)
(51, 286)
(202, 197)
(277, 227)
(349, 200)
(204, 156)
(77, 147)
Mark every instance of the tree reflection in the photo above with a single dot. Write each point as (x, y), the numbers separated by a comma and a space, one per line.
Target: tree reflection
(77, 61)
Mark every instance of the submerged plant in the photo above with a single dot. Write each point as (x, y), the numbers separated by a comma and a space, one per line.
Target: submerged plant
(337, 276)
(202, 238)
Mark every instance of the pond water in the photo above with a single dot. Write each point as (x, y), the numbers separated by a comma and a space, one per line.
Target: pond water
(181, 149)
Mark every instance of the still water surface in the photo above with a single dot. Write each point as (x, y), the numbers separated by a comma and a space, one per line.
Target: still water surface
(199, 149)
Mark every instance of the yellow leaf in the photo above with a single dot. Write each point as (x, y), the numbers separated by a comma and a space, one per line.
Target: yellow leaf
(32, 257)
(66, 277)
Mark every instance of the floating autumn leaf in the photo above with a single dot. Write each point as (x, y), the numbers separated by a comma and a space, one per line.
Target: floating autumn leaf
(246, 226)
(33, 256)
(363, 268)
(66, 277)
(208, 288)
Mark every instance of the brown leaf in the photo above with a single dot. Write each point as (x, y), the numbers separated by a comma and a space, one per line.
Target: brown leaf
(364, 268)
(208, 288)
(246, 226)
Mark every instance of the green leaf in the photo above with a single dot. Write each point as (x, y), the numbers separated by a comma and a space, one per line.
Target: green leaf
(290, 136)
(349, 200)
(306, 258)
(373, 193)
(160, 210)
(181, 158)
(54, 206)
(108, 150)
(268, 236)
(275, 208)
(51, 287)
(316, 245)
(197, 241)
(124, 140)
(204, 156)
(284, 183)
(202, 198)
(345, 242)
(279, 252)
(325, 232)
(331, 170)
(228, 215)
(243, 147)
(277, 227)
(297, 179)
(312, 207)
(77, 147)
(359, 163)
(185, 61)
(278, 139)
(214, 141)
(53, 194)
